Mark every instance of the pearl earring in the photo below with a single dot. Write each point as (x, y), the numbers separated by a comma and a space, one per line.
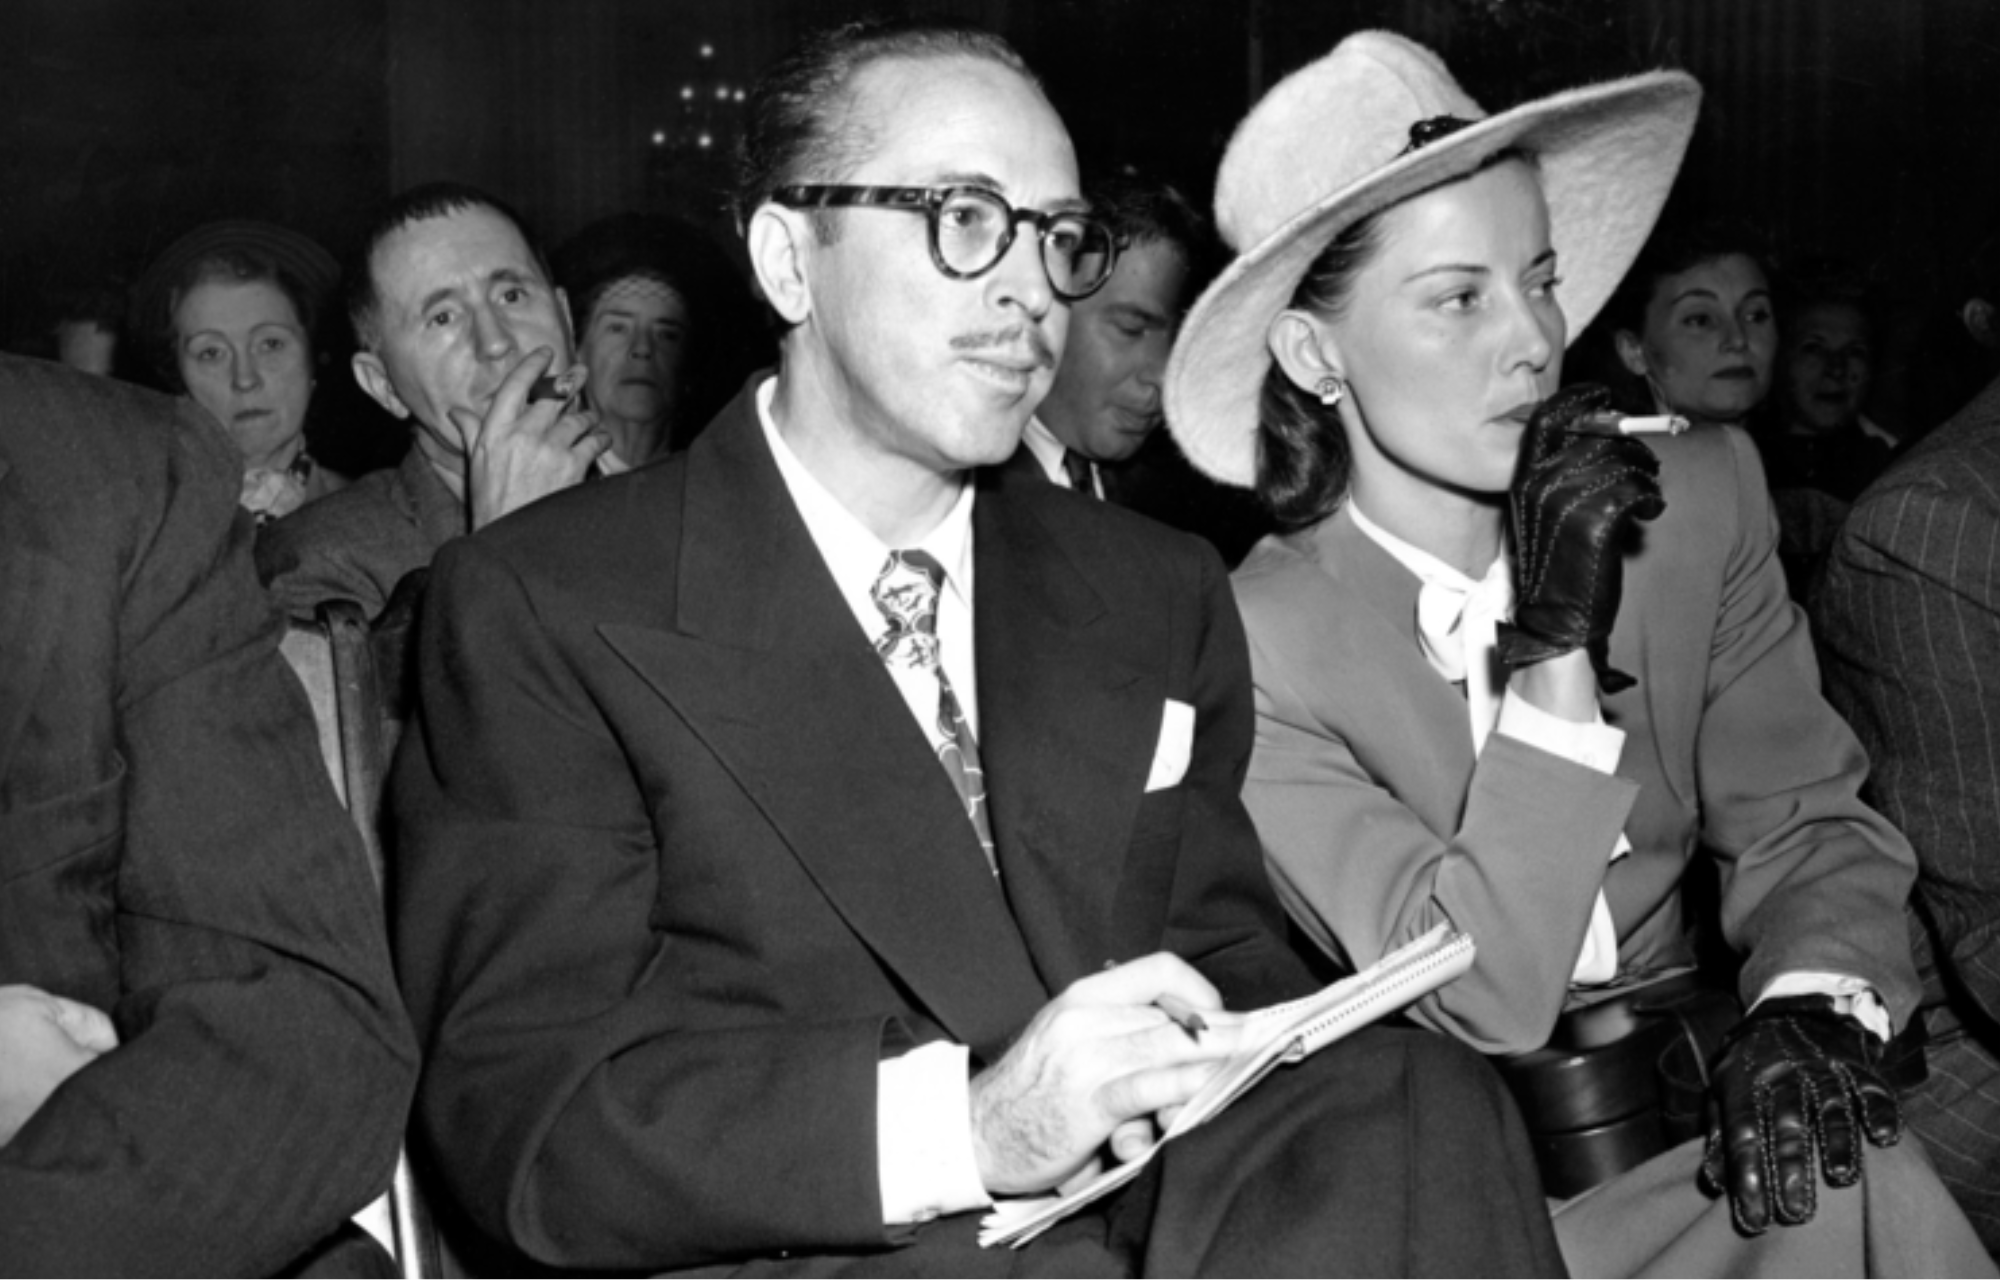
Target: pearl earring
(1331, 390)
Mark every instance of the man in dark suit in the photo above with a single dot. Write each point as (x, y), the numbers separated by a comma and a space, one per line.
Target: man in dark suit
(1908, 619)
(204, 1068)
(798, 834)
(1105, 400)
(1098, 430)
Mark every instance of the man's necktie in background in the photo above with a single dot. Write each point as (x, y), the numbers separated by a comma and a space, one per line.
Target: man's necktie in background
(1077, 468)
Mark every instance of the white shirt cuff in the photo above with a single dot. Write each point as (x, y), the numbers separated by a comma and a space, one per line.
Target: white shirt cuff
(1851, 996)
(923, 1135)
(1597, 963)
(1594, 746)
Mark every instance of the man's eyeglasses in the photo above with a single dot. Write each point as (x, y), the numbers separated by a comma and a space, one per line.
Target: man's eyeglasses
(972, 229)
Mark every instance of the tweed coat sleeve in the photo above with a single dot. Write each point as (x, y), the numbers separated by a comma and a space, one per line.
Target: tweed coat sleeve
(1910, 624)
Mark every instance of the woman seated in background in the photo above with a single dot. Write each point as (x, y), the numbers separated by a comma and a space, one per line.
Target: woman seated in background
(1446, 730)
(1821, 450)
(661, 321)
(1696, 324)
(226, 316)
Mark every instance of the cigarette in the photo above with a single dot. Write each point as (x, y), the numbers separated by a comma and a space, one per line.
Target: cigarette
(1189, 1020)
(1605, 424)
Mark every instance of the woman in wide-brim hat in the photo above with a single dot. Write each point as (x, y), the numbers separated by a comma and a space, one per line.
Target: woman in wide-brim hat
(228, 315)
(1461, 715)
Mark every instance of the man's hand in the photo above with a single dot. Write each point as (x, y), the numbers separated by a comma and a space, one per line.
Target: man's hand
(1573, 499)
(520, 451)
(1098, 1064)
(1793, 1076)
(44, 1040)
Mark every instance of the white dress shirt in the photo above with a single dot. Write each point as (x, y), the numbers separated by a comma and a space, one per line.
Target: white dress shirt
(923, 1117)
(1049, 452)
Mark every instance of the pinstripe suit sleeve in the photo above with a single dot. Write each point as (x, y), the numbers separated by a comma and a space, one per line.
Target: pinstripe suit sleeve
(1909, 622)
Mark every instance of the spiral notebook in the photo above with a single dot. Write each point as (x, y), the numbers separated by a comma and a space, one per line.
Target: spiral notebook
(1282, 1034)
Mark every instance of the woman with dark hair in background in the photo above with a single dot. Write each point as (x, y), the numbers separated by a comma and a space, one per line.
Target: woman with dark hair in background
(663, 321)
(1695, 322)
(227, 316)
(1441, 640)
(1820, 450)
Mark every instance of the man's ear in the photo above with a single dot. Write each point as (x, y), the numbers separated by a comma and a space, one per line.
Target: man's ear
(1304, 349)
(373, 376)
(781, 242)
(1631, 352)
(1982, 323)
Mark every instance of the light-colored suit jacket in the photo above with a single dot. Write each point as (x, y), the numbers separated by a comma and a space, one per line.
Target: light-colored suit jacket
(1378, 821)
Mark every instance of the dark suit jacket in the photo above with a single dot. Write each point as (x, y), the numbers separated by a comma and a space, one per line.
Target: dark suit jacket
(1909, 622)
(1378, 819)
(1159, 483)
(171, 852)
(679, 867)
(359, 543)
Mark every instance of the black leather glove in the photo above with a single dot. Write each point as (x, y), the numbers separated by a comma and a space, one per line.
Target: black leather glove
(1793, 1077)
(1573, 499)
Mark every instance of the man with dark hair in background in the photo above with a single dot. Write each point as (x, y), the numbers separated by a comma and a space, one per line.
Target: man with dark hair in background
(455, 317)
(1105, 400)
(204, 1068)
(752, 923)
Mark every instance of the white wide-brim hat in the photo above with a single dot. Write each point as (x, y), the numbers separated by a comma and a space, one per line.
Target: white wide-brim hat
(1377, 120)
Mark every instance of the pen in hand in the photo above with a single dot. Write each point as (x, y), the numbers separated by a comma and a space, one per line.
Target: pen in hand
(1183, 1013)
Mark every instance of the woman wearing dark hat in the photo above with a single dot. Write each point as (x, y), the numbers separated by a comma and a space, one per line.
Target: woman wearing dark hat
(1461, 716)
(662, 323)
(226, 315)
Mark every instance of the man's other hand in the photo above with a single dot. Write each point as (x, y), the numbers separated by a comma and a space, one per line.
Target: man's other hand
(44, 1040)
(1098, 1064)
(522, 451)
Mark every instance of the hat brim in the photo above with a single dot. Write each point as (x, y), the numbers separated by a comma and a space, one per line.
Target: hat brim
(1607, 155)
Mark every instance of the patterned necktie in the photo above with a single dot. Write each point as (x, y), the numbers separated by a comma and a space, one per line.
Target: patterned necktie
(906, 592)
(1077, 468)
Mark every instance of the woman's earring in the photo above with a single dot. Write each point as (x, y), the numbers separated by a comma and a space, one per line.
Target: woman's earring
(1331, 390)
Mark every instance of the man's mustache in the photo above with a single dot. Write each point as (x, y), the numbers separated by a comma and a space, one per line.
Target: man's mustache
(1012, 338)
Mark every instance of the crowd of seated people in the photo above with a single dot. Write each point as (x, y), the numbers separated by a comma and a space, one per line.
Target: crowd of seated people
(845, 789)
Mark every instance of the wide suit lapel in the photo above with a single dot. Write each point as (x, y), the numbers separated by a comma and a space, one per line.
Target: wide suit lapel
(762, 659)
(1429, 725)
(1067, 729)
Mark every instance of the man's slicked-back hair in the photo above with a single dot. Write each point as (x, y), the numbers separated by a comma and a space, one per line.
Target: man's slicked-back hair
(800, 126)
(418, 204)
(1140, 210)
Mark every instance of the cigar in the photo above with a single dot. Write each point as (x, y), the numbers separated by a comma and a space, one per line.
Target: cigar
(1607, 423)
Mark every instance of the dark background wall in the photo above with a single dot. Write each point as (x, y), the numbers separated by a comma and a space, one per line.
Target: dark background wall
(1864, 127)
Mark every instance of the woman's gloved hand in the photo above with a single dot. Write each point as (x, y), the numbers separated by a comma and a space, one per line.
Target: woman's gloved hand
(1794, 1077)
(1574, 497)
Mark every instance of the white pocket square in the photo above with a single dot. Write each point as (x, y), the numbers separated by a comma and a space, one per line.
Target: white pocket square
(1170, 755)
